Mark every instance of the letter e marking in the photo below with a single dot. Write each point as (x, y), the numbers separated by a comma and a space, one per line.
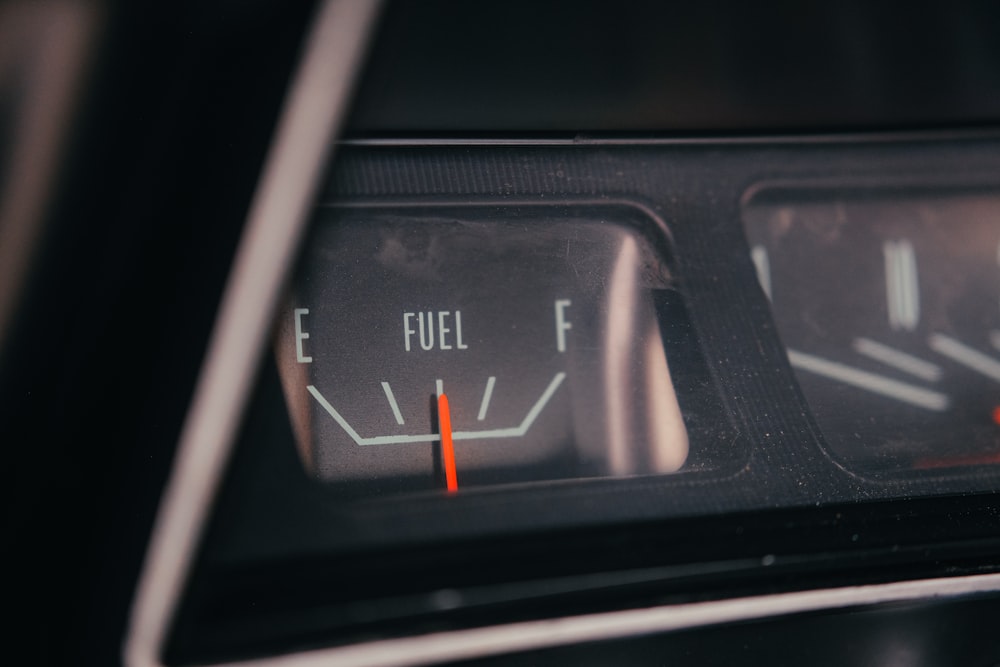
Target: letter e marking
(300, 336)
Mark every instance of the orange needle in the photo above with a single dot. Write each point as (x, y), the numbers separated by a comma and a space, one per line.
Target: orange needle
(447, 446)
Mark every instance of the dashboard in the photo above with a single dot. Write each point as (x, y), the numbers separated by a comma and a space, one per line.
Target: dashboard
(511, 335)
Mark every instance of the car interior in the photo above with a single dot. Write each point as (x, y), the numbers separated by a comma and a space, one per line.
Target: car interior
(389, 333)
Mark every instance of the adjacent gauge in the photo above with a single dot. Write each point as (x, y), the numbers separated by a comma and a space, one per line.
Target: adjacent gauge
(889, 305)
(458, 348)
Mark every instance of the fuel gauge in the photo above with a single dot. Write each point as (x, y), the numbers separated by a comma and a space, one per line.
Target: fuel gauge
(426, 351)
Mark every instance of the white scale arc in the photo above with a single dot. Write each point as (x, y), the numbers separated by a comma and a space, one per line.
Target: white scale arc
(514, 432)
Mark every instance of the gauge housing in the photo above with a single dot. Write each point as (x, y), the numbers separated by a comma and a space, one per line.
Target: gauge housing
(325, 555)
(539, 322)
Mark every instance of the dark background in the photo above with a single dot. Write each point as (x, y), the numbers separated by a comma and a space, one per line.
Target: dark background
(98, 368)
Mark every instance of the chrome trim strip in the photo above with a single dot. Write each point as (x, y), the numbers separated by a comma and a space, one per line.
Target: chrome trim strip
(516, 637)
(850, 136)
(304, 140)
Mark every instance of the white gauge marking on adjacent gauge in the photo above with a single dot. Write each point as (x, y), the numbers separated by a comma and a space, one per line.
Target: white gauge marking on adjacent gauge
(898, 359)
(946, 346)
(903, 306)
(962, 354)
(902, 287)
(878, 384)
(887, 303)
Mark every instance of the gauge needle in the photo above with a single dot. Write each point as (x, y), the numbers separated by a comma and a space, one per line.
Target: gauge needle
(447, 446)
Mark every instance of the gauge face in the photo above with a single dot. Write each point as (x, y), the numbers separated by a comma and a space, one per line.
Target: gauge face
(426, 352)
(889, 305)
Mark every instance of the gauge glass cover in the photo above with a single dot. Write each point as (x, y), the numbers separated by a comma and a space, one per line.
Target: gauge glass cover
(541, 331)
